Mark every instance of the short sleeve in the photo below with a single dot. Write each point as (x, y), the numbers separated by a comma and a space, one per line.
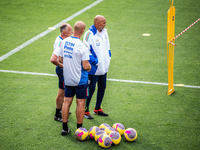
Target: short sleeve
(57, 46)
(85, 54)
(61, 49)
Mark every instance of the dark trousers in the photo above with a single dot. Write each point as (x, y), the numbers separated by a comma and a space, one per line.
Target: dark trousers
(101, 84)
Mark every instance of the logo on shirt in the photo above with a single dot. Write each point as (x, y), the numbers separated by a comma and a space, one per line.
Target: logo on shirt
(105, 37)
(97, 42)
(60, 43)
(68, 48)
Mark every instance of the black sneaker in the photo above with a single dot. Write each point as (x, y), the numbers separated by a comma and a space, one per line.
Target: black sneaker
(65, 132)
(88, 116)
(99, 112)
(59, 118)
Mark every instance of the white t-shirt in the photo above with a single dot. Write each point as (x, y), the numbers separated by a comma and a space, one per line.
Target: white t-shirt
(57, 46)
(74, 52)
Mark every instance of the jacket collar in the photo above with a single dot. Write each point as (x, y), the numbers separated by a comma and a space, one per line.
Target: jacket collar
(94, 29)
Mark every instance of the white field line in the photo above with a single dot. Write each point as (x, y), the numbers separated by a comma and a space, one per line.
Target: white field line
(155, 83)
(116, 80)
(48, 31)
(31, 73)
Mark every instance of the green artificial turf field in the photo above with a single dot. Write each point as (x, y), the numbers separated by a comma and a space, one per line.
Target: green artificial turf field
(162, 122)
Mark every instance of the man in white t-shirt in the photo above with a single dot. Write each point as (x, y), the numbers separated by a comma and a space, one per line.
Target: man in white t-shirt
(75, 55)
(66, 31)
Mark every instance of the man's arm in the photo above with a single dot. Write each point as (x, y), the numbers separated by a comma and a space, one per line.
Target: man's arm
(60, 59)
(87, 40)
(54, 60)
(86, 65)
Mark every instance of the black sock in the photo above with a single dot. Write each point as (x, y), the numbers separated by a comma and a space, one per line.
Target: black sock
(97, 108)
(57, 112)
(65, 126)
(79, 125)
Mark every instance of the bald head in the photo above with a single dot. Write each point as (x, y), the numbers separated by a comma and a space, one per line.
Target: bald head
(79, 28)
(98, 19)
(99, 22)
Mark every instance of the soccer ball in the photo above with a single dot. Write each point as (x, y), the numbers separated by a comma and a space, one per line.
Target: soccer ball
(109, 129)
(81, 133)
(103, 126)
(105, 141)
(116, 137)
(130, 134)
(92, 131)
(98, 134)
(119, 127)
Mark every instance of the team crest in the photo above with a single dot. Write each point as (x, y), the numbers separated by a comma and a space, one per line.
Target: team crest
(97, 42)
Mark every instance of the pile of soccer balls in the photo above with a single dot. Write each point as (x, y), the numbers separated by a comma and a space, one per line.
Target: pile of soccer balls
(106, 135)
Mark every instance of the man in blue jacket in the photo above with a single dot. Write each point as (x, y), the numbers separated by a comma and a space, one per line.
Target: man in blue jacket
(96, 39)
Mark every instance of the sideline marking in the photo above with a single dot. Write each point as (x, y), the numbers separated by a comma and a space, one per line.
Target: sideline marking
(47, 31)
(117, 80)
(31, 73)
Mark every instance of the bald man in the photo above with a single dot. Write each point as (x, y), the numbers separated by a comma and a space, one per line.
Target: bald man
(75, 55)
(96, 39)
(66, 31)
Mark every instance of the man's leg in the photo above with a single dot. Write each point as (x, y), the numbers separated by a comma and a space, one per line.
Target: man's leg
(60, 95)
(92, 85)
(100, 94)
(59, 102)
(65, 108)
(60, 98)
(65, 114)
(80, 111)
(101, 90)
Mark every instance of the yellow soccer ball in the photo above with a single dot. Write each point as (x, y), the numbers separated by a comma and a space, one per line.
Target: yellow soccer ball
(92, 131)
(105, 141)
(116, 137)
(81, 133)
(130, 134)
(119, 128)
(98, 134)
(103, 126)
(109, 129)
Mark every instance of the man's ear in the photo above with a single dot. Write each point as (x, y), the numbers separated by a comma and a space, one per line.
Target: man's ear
(82, 31)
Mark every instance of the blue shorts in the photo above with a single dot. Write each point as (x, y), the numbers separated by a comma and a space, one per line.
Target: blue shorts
(81, 91)
(59, 72)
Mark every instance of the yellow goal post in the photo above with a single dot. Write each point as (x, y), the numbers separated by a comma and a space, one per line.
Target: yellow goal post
(170, 46)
